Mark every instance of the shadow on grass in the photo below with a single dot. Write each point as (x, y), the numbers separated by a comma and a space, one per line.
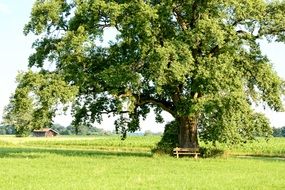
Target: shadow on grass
(8, 152)
(262, 157)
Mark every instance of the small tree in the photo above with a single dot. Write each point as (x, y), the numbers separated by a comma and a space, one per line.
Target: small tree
(36, 99)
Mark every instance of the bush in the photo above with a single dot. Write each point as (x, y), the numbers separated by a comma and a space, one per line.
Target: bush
(169, 139)
(207, 152)
(22, 132)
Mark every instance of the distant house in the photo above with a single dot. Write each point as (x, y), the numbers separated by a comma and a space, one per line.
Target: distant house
(45, 132)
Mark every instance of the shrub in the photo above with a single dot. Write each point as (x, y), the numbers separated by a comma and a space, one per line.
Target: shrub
(169, 139)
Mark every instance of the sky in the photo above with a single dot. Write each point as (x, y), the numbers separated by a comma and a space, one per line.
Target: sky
(15, 49)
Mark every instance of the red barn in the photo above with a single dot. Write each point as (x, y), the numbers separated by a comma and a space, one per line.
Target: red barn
(45, 132)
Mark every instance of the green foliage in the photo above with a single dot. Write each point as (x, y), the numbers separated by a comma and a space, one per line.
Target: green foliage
(81, 130)
(7, 130)
(210, 152)
(233, 122)
(279, 132)
(36, 99)
(199, 60)
(169, 139)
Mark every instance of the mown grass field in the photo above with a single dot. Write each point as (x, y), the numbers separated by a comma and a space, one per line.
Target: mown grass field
(109, 163)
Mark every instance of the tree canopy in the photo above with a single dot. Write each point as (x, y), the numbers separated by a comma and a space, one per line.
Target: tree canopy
(199, 60)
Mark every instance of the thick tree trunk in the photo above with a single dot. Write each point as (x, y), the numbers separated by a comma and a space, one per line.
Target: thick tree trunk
(188, 135)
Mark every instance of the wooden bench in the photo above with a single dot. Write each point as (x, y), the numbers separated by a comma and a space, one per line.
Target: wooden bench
(186, 151)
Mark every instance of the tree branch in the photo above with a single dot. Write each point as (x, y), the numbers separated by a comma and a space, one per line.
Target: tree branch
(179, 19)
(113, 111)
(165, 105)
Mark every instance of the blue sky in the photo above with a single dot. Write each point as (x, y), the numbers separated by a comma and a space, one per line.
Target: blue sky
(15, 49)
(14, 46)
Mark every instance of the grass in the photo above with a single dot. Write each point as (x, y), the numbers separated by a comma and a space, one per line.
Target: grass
(274, 147)
(108, 163)
(139, 143)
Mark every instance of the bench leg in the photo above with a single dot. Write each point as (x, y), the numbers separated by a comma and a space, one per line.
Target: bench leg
(196, 156)
(177, 155)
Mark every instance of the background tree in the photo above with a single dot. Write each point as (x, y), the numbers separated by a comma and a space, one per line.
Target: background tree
(199, 60)
(36, 101)
(82, 130)
(279, 132)
(7, 130)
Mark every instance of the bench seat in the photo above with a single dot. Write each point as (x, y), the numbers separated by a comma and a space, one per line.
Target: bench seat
(186, 151)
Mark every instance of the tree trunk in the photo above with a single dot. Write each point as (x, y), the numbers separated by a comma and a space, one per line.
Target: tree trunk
(188, 135)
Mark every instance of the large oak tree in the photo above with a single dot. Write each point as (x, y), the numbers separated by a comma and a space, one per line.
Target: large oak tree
(199, 60)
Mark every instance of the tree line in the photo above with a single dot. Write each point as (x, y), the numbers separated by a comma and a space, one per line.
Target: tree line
(69, 130)
(85, 130)
(279, 132)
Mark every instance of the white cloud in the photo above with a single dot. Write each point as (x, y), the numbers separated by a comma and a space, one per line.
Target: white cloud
(4, 9)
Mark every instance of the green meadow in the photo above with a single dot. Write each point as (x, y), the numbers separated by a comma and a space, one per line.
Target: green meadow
(109, 163)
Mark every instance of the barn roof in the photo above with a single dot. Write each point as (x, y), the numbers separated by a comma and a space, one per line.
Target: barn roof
(46, 130)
